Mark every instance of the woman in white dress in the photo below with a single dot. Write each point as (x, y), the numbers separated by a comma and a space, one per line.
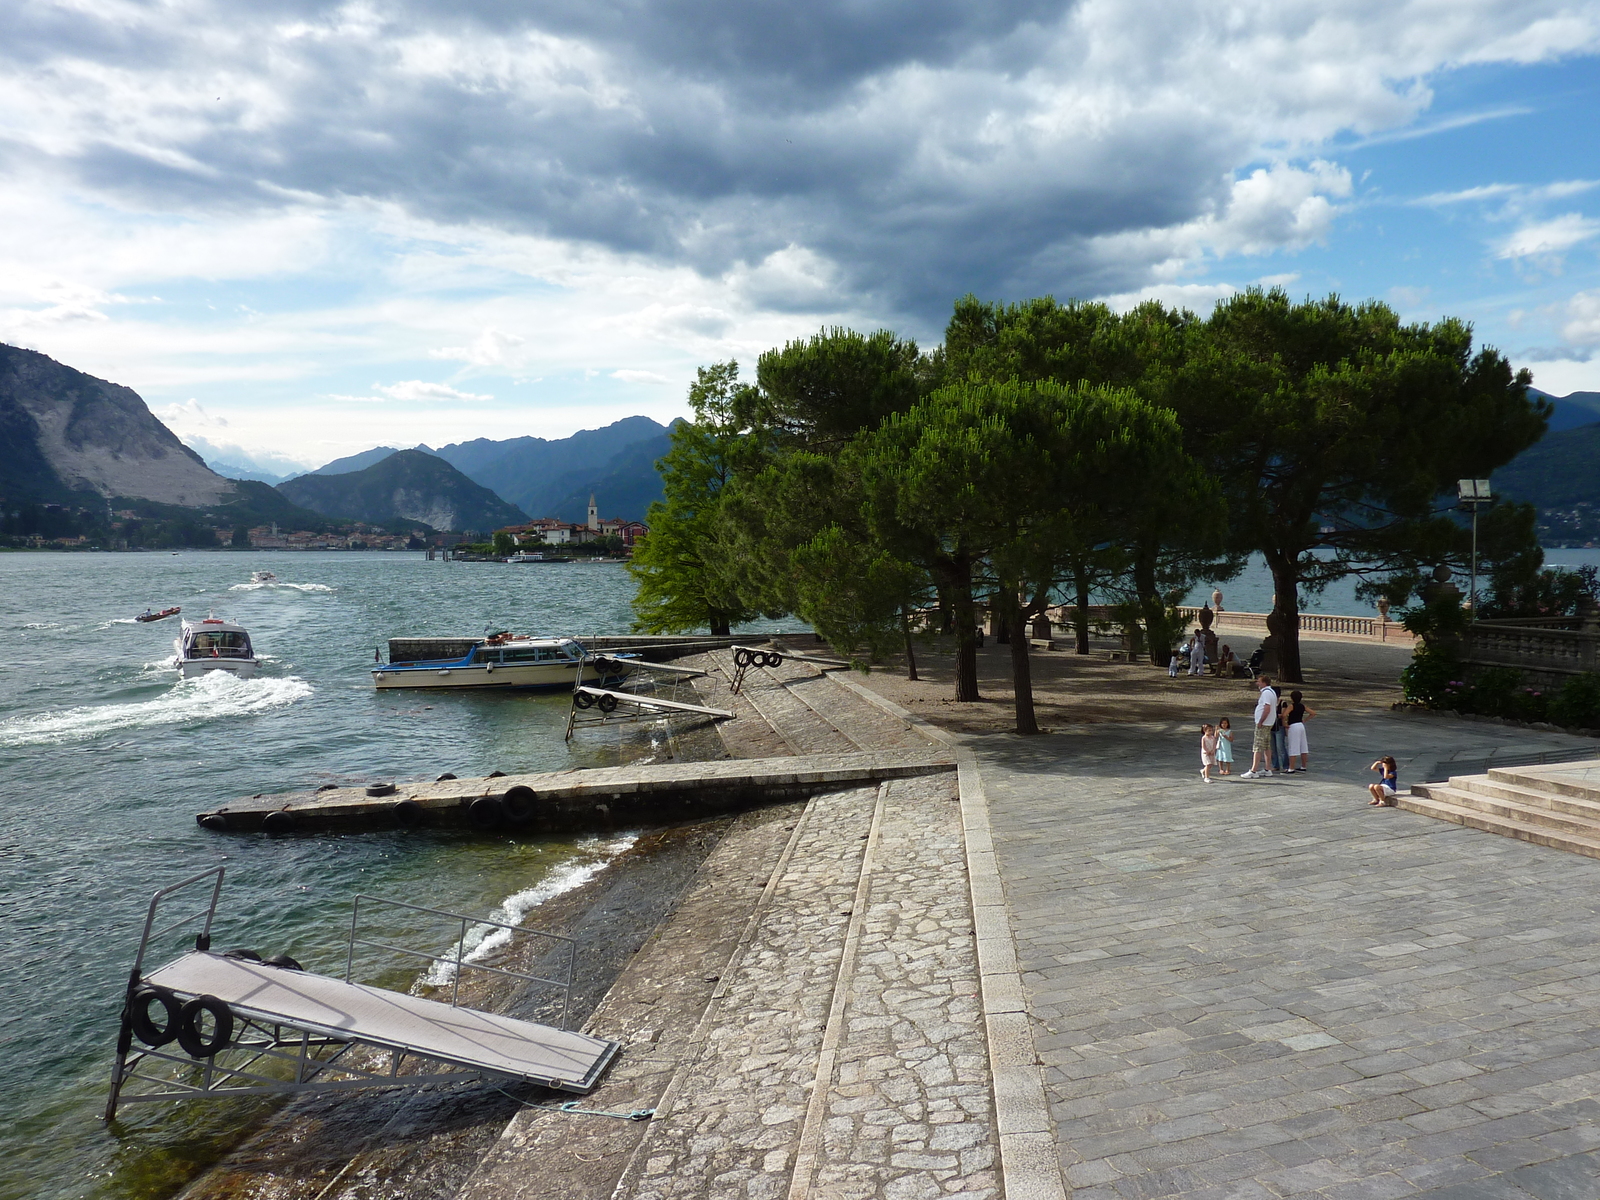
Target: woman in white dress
(1296, 719)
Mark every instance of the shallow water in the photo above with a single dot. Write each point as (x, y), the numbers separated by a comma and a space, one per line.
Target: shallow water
(105, 757)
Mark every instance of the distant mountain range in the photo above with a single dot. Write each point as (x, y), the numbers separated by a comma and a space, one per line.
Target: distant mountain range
(551, 477)
(408, 485)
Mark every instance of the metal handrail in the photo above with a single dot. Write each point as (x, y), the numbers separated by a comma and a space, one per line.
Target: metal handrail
(459, 960)
(202, 939)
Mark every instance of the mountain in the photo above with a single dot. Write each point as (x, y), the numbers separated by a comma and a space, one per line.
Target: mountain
(1559, 471)
(358, 462)
(1572, 410)
(539, 474)
(67, 437)
(625, 487)
(407, 485)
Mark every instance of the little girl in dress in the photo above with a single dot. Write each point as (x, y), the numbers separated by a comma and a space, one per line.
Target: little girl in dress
(1208, 751)
(1224, 747)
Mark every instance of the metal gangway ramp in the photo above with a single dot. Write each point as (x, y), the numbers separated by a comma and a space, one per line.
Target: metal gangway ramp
(247, 1027)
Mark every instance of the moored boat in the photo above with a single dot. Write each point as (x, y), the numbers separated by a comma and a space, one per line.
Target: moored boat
(501, 660)
(149, 615)
(213, 644)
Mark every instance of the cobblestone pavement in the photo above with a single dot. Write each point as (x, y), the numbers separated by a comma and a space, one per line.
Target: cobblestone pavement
(847, 1054)
(1263, 989)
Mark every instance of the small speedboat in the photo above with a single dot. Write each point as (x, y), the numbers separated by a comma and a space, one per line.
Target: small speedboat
(263, 577)
(214, 645)
(501, 660)
(149, 615)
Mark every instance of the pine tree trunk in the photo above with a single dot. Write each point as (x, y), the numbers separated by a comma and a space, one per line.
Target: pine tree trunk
(1021, 668)
(1283, 622)
(1158, 634)
(719, 625)
(911, 650)
(955, 574)
(1080, 616)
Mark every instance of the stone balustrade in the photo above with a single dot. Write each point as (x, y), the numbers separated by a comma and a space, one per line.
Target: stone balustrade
(1532, 646)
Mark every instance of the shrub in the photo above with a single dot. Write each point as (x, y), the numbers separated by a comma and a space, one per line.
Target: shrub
(1578, 702)
(1434, 678)
(1494, 691)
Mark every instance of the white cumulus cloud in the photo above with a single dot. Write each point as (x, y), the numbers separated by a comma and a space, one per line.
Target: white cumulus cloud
(629, 376)
(1545, 238)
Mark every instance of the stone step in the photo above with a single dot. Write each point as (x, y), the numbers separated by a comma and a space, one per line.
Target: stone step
(1526, 831)
(1565, 779)
(1534, 811)
(1525, 795)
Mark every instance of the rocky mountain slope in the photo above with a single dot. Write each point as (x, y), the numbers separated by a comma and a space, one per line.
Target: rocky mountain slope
(67, 437)
(409, 485)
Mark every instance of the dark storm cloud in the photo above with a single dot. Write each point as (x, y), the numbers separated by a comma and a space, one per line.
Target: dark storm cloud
(918, 149)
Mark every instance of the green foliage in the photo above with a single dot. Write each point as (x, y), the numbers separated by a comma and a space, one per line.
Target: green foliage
(1434, 677)
(1551, 593)
(821, 391)
(1578, 703)
(1439, 617)
(504, 543)
(682, 565)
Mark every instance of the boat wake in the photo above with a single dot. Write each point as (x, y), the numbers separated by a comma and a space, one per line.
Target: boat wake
(281, 585)
(483, 940)
(43, 625)
(215, 695)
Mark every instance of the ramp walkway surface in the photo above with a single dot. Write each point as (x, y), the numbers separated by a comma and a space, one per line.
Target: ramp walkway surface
(392, 1020)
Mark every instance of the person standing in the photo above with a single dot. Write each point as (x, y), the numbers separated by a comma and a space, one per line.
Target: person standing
(1225, 747)
(1266, 716)
(1280, 738)
(1299, 714)
(1197, 654)
(1208, 751)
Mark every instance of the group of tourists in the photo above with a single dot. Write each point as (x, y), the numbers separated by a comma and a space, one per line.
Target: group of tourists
(1278, 742)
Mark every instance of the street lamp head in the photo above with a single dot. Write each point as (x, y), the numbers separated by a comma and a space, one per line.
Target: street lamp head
(1473, 491)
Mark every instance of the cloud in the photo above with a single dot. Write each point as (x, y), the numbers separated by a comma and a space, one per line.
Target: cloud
(188, 417)
(413, 391)
(804, 152)
(1582, 325)
(1547, 238)
(491, 348)
(639, 377)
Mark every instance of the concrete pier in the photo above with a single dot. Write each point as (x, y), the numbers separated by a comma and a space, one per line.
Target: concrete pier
(577, 801)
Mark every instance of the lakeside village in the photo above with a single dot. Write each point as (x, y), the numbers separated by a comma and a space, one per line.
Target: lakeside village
(596, 536)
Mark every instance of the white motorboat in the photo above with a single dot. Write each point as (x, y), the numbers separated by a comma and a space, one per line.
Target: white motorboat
(263, 577)
(213, 644)
(502, 660)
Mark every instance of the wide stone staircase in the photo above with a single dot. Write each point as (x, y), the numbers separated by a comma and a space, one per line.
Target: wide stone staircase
(1553, 805)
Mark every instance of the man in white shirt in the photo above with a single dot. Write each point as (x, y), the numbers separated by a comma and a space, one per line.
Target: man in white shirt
(1266, 716)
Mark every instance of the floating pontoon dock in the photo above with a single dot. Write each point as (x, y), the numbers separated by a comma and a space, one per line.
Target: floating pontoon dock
(576, 801)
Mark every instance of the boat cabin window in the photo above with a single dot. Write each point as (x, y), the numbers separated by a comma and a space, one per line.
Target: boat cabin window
(527, 654)
(220, 644)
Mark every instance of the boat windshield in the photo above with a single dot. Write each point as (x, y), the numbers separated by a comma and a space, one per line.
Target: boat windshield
(222, 643)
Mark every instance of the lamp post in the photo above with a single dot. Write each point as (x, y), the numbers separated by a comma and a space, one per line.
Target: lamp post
(1473, 492)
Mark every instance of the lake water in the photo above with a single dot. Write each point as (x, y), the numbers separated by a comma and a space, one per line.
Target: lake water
(1252, 591)
(105, 757)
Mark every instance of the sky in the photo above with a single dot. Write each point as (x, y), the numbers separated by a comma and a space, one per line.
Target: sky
(302, 229)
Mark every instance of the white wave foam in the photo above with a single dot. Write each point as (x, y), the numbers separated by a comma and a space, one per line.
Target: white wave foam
(43, 625)
(216, 694)
(293, 587)
(483, 940)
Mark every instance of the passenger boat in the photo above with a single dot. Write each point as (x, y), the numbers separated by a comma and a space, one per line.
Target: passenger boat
(214, 645)
(263, 577)
(525, 557)
(501, 660)
(148, 615)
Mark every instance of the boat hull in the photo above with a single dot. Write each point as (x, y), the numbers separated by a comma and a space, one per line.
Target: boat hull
(559, 674)
(193, 668)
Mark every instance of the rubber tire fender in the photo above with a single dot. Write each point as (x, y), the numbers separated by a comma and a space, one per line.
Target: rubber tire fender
(774, 659)
(519, 804)
(407, 814)
(742, 657)
(146, 1030)
(582, 700)
(195, 1044)
(278, 822)
(486, 812)
(214, 821)
(284, 962)
(607, 704)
